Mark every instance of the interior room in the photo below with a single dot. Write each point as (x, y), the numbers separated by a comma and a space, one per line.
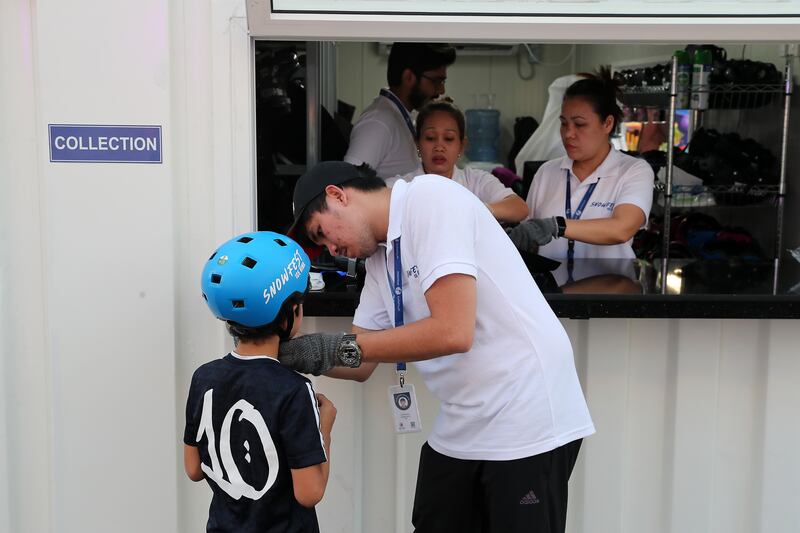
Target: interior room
(512, 81)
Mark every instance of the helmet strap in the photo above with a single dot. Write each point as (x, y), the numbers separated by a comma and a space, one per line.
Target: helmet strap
(285, 333)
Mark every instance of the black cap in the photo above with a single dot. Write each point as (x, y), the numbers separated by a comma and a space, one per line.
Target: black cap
(313, 183)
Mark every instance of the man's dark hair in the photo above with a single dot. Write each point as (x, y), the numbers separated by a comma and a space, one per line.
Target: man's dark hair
(419, 57)
(366, 181)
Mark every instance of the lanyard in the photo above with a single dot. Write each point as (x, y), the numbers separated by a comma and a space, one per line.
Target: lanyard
(397, 297)
(403, 111)
(575, 216)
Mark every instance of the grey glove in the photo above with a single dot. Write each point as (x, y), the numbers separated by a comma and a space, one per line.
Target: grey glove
(315, 353)
(532, 233)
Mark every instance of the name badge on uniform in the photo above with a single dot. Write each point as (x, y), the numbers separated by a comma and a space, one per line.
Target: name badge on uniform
(403, 403)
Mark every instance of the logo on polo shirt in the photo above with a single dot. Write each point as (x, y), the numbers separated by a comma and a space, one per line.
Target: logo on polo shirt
(413, 272)
(529, 499)
(606, 205)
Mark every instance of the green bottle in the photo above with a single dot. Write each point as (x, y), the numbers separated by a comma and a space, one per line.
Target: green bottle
(701, 71)
(684, 79)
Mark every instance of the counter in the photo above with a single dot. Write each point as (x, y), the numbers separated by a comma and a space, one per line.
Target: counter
(732, 288)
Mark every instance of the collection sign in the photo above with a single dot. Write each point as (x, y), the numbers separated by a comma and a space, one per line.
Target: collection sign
(105, 144)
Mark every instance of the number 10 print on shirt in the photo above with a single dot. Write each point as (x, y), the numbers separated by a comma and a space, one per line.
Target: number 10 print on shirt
(236, 487)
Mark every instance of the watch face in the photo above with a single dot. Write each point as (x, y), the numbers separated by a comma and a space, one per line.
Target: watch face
(350, 353)
(562, 225)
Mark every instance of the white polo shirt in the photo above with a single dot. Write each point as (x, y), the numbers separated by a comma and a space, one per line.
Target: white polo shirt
(482, 184)
(515, 393)
(620, 178)
(381, 139)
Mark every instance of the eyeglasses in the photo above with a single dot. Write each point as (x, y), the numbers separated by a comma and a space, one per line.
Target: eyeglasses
(437, 82)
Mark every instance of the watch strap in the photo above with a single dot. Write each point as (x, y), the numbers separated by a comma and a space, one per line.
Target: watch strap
(561, 224)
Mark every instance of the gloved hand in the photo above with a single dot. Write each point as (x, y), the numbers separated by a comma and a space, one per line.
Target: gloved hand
(530, 234)
(311, 354)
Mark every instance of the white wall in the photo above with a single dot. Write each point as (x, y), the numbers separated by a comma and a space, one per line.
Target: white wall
(100, 261)
(696, 432)
(215, 190)
(24, 435)
(89, 274)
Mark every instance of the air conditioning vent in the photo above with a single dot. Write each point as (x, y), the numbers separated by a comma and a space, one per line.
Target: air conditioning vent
(469, 49)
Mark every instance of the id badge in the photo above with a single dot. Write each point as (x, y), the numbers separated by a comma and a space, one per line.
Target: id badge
(403, 403)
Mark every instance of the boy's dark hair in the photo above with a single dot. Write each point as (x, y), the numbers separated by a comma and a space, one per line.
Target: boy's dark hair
(445, 105)
(601, 91)
(286, 314)
(367, 180)
(419, 57)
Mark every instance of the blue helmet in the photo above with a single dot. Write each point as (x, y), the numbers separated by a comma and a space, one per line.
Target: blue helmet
(248, 279)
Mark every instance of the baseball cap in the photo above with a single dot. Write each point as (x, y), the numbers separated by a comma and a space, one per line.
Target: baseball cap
(313, 183)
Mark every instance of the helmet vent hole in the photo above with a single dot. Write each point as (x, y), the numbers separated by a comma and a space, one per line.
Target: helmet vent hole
(216, 278)
(280, 242)
(245, 239)
(249, 262)
(205, 297)
(238, 304)
(212, 256)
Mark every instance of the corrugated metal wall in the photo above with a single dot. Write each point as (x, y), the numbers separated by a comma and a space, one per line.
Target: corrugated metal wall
(698, 431)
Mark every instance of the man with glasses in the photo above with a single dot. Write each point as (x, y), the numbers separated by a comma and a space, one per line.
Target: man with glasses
(383, 137)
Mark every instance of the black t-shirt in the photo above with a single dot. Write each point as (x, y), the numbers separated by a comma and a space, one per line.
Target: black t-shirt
(252, 420)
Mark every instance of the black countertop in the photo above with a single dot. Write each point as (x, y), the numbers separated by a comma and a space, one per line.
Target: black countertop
(731, 288)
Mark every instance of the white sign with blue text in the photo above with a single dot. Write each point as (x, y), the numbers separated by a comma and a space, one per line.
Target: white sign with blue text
(105, 144)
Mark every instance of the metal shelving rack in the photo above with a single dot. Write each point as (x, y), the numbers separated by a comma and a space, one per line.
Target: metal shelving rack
(729, 96)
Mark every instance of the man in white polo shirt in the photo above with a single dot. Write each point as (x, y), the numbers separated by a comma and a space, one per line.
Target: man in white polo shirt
(383, 137)
(477, 328)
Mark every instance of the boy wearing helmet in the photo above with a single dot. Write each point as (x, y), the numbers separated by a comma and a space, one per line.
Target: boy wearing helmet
(255, 430)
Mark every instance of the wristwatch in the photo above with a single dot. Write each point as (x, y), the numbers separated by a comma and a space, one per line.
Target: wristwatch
(349, 353)
(561, 224)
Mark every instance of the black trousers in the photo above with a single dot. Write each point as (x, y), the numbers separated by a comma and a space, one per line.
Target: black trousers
(464, 496)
